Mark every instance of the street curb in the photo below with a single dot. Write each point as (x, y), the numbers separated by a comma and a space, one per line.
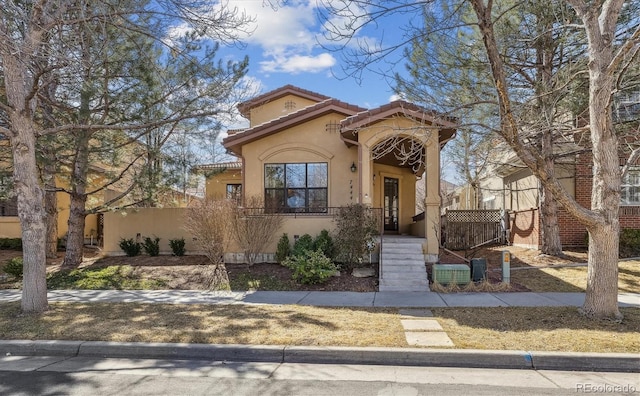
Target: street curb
(409, 357)
(622, 362)
(473, 358)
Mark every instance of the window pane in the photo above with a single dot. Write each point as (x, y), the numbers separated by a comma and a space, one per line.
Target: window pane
(234, 191)
(296, 175)
(296, 198)
(273, 199)
(317, 175)
(318, 198)
(630, 191)
(273, 175)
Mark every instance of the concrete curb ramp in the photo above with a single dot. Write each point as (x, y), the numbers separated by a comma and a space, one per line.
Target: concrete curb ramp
(610, 362)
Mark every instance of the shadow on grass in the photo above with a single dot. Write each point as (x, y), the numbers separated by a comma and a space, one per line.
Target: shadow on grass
(198, 323)
(520, 319)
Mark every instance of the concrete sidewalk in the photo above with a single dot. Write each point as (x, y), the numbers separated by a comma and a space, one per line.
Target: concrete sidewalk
(326, 299)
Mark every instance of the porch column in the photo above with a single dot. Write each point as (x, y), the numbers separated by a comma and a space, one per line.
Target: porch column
(432, 202)
(366, 175)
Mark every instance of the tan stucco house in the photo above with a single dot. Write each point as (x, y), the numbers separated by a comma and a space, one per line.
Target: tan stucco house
(306, 153)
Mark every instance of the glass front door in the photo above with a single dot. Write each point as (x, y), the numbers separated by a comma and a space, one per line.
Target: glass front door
(391, 209)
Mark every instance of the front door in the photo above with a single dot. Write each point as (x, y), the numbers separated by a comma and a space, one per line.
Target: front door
(390, 204)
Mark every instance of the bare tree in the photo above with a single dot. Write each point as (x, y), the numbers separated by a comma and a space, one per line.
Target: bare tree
(254, 227)
(609, 49)
(209, 224)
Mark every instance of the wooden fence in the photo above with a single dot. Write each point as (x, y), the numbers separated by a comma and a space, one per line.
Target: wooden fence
(467, 229)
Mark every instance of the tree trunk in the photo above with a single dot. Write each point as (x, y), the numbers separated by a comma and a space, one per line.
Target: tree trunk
(551, 243)
(75, 236)
(31, 214)
(78, 199)
(604, 236)
(601, 300)
(545, 51)
(50, 206)
(26, 184)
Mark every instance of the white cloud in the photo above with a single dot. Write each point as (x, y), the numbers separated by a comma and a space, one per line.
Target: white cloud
(299, 63)
(288, 37)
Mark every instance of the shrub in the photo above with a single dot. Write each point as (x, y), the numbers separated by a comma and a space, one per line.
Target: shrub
(130, 247)
(177, 246)
(310, 267)
(324, 243)
(302, 245)
(11, 243)
(356, 225)
(152, 246)
(254, 227)
(283, 249)
(14, 267)
(629, 243)
(209, 222)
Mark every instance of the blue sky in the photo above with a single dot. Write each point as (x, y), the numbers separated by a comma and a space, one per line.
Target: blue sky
(285, 48)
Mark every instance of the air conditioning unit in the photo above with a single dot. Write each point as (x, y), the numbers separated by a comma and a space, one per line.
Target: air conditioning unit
(445, 274)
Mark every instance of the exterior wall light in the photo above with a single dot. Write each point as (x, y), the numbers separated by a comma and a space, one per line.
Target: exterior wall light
(353, 167)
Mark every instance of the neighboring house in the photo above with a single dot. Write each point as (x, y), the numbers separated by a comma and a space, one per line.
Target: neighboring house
(305, 153)
(100, 179)
(510, 185)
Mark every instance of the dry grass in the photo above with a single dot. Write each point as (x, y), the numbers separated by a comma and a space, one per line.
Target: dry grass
(541, 329)
(550, 329)
(574, 279)
(219, 324)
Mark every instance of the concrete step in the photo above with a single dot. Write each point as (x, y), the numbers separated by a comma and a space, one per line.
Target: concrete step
(402, 256)
(402, 240)
(417, 288)
(386, 250)
(416, 268)
(402, 265)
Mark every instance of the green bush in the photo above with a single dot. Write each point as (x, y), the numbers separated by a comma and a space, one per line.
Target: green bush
(310, 267)
(130, 247)
(152, 246)
(11, 243)
(14, 267)
(302, 245)
(324, 243)
(177, 246)
(629, 243)
(283, 250)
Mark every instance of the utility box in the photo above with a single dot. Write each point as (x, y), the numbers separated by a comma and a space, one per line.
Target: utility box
(451, 273)
(478, 269)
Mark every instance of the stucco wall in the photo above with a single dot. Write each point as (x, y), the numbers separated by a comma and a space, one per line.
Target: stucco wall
(216, 186)
(307, 142)
(10, 227)
(167, 223)
(276, 109)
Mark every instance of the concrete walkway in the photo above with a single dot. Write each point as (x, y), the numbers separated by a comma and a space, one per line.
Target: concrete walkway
(326, 299)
